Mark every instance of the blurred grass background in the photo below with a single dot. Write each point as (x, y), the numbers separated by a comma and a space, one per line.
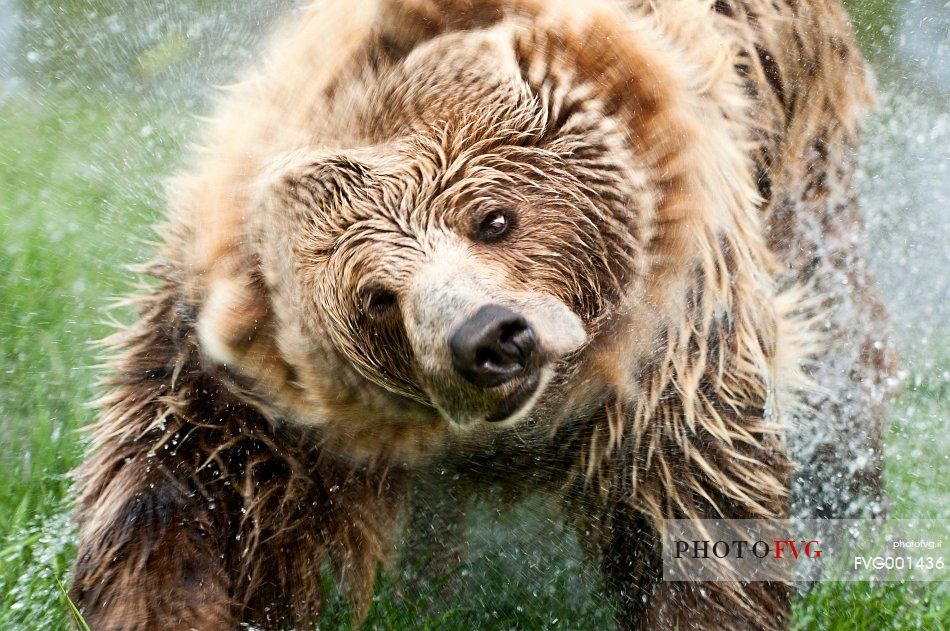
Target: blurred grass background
(86, 133)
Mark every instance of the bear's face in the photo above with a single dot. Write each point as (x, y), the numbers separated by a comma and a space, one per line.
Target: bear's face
(463, 286)
(466, 239)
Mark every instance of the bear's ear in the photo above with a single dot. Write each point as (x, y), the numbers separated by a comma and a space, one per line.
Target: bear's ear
(412, 21)
(295, 203)
(300, 200)
(401, 25)
(234, 313)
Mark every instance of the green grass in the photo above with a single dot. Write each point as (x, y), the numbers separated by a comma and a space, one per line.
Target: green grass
(78, 189)
(875, 24)
(863, 607)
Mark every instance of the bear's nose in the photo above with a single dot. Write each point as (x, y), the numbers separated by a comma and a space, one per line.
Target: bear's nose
(493, 346)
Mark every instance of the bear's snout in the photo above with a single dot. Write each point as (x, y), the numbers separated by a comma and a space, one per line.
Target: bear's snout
(493, 347)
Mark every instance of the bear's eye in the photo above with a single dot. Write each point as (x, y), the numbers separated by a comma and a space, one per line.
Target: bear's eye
(376, 302)
(494, 226)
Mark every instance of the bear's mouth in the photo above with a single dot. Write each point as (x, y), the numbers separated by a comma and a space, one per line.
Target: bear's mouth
(517, 399)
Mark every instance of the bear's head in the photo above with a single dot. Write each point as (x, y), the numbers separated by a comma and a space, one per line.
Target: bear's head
(464, 255)
(449, 217)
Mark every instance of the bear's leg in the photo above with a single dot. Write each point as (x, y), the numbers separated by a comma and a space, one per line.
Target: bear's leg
(633, 572)
(837, 437)
(148, 558)
(434, 540)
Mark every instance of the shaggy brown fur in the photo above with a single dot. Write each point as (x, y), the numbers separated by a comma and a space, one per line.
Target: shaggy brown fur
(676, 175)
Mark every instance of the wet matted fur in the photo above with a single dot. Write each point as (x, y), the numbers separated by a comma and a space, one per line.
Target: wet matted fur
(677, 175)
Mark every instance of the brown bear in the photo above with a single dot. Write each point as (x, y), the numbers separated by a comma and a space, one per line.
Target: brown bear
(587, 248)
